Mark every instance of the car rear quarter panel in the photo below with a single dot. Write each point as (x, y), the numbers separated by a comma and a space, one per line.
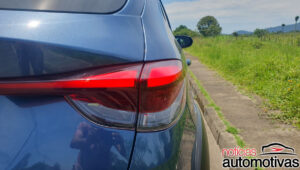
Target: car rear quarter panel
(45, 132)
(71, 41)
(184, 145)
(160, 42)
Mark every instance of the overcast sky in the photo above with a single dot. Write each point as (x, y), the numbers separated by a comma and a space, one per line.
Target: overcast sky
(233, 15)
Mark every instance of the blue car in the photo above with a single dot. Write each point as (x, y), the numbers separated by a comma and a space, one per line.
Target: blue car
(92, 85)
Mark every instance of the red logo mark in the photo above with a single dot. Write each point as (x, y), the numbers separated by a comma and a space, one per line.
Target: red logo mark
(277, 149)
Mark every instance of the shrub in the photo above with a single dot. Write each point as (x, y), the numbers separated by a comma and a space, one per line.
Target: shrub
(257, 45)
(183, 30)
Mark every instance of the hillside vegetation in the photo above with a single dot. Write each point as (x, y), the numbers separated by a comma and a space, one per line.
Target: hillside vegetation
(268, 67)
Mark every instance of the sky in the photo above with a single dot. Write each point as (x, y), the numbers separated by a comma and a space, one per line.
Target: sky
(233, 15)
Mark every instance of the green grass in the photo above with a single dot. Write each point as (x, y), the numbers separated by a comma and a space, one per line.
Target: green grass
(229, 128)
(269, 68)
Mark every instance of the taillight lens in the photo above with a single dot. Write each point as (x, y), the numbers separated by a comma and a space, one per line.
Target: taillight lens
(108, 96)
(162, 94)
(113, 96)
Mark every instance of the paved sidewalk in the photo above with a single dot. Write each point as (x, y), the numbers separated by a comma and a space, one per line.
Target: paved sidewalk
(242, 112)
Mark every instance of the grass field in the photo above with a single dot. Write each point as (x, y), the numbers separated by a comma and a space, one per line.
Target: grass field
(269, 68)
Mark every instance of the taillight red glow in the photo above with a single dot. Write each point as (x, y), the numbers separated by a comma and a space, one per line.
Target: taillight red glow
(125, 78)
(160, 85)
(112, 96)
(108, 80)
(108, 96)
(161, 94)
(160, 76)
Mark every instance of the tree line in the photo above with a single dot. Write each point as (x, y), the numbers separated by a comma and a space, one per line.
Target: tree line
(209, 26)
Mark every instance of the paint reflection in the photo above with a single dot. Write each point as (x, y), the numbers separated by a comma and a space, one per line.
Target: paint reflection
(30, 57)
(22, 165)
(95, 152)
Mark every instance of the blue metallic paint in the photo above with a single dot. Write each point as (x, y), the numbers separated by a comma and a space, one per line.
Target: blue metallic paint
(46, 132)
(160, 42)
(132, 7)
(91, 34)
(200, 157)
(158, 150)
(55, 135)
(163, 149)
(26, 58)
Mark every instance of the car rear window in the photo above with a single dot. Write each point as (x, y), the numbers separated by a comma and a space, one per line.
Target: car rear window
(86, 6)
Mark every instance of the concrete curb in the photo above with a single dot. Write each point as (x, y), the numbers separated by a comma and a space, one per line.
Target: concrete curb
(216, 125)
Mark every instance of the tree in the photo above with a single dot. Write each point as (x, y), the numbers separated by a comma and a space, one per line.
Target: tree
(235, 34)
(184, 30)
(260, 33)
(209, 26)
(296, 20)
(181, 27)
(282, 27)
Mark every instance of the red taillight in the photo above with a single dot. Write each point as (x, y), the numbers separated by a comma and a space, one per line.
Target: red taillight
(110, 96)
(161, 94)
(117, 79)
(162, 75)
(160, 85)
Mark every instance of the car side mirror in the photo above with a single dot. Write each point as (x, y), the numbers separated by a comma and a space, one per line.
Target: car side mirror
(184, 41)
